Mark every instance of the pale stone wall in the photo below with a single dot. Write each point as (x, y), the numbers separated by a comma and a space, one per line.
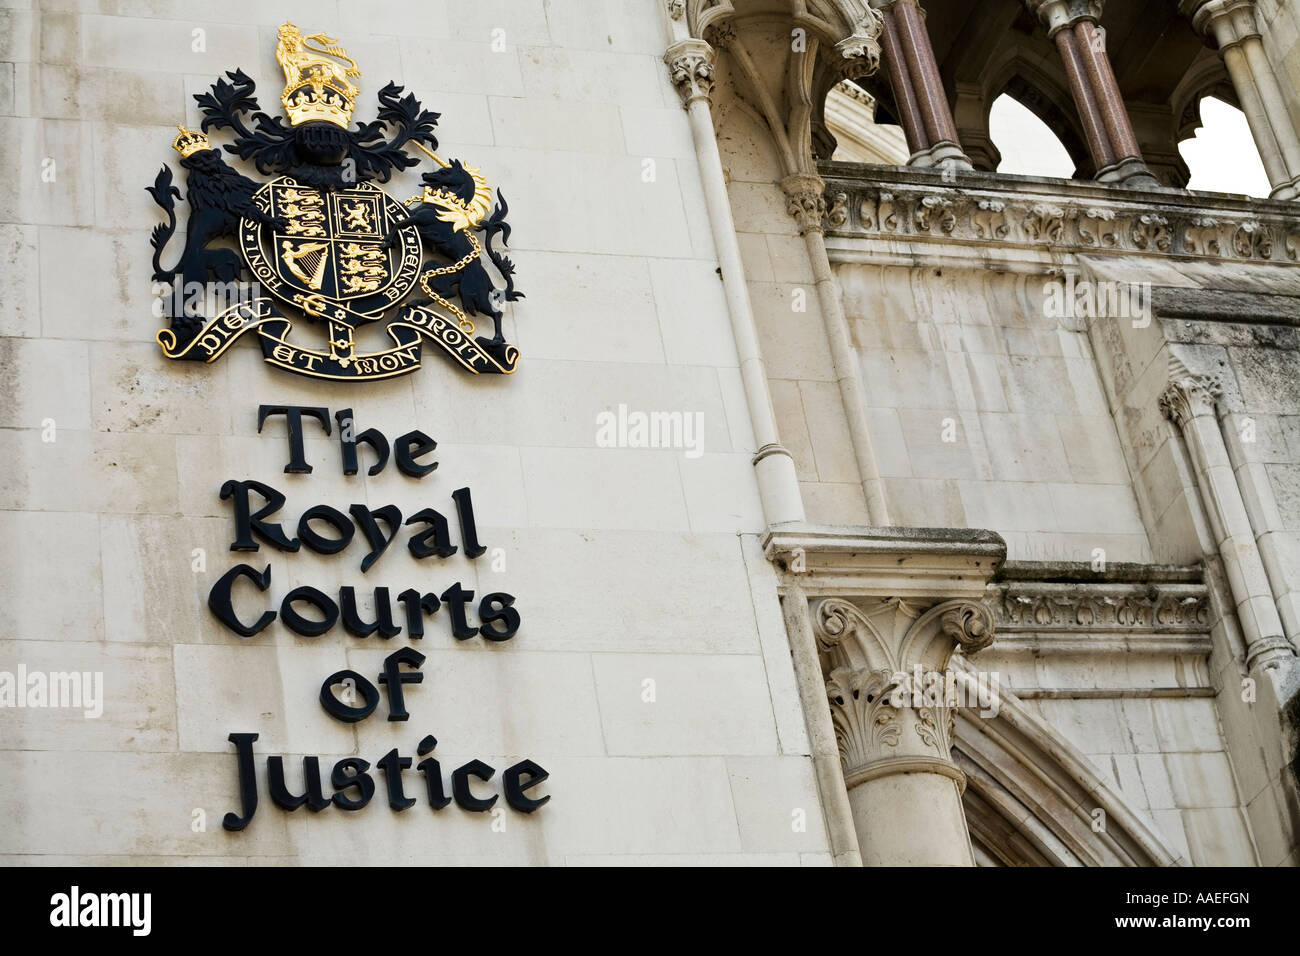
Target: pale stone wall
(1138, 705)
(627, 564)
(806, 398)
(1280, 20)
(988, 413)
(1253, 362)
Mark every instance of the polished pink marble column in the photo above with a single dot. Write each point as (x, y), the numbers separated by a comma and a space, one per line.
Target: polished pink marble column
(1072, 26)
(900, 81)
(1094, 126)
(1105, 90)
(925, 72)
(918, 88)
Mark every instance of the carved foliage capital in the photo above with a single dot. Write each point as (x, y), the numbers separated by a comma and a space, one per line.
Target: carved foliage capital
(898, 634)
(1190, 395)
(866, 725)
(887, 683)
(805, 201)
(690, 66)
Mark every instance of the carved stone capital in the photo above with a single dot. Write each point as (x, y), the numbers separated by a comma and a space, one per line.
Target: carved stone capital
(892, 722)
(866, 725)
(1189, 395)
(1226, 22)
(1058, 14)
(899, 635)
(860, 50)
(690, 66)
(805, 201)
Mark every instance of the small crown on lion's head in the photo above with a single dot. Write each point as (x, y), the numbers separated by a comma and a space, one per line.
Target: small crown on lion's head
(188, 142)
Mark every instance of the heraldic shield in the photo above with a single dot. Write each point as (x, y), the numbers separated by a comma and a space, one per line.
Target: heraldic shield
(322, 242)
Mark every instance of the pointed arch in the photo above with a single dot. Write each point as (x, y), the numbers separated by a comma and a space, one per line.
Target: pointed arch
(1038, 85)
(1032, 796)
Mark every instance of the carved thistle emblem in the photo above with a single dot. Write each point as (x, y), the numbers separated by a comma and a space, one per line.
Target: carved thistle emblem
(321, 243)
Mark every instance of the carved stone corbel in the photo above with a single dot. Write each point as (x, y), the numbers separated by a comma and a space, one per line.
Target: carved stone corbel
(860, 50)
(1252, 240)
(936, 209)
(1202, 236)
(1097, 227)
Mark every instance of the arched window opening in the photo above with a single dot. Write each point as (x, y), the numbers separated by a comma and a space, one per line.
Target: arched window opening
(1027, 144)
(1222, 155)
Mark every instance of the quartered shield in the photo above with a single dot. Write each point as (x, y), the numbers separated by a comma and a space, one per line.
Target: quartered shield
(328, 257)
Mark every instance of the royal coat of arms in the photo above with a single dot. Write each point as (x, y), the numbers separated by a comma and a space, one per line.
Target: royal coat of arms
(321, 239)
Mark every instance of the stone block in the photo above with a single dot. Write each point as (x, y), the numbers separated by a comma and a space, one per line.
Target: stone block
(50, 384)
(693, 320)
(777, 804)
(721, 491)
(660, 705)
(87, 471)
(626, 579)
(1219, 836)
(834, 502)
(58, 600)
(1201, 780)
(52, 172)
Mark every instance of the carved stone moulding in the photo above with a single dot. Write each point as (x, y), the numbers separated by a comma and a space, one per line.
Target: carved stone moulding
(1094, 607)
(973, 208)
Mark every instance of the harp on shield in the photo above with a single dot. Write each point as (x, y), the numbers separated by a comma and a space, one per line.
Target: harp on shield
(313, 255)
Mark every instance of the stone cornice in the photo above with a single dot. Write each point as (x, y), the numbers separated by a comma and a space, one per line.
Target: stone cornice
(983, 217)
(914, 563)
(1073, 609)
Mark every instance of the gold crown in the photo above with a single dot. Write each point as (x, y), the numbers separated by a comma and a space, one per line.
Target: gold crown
(188, 142)
(316, 86)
